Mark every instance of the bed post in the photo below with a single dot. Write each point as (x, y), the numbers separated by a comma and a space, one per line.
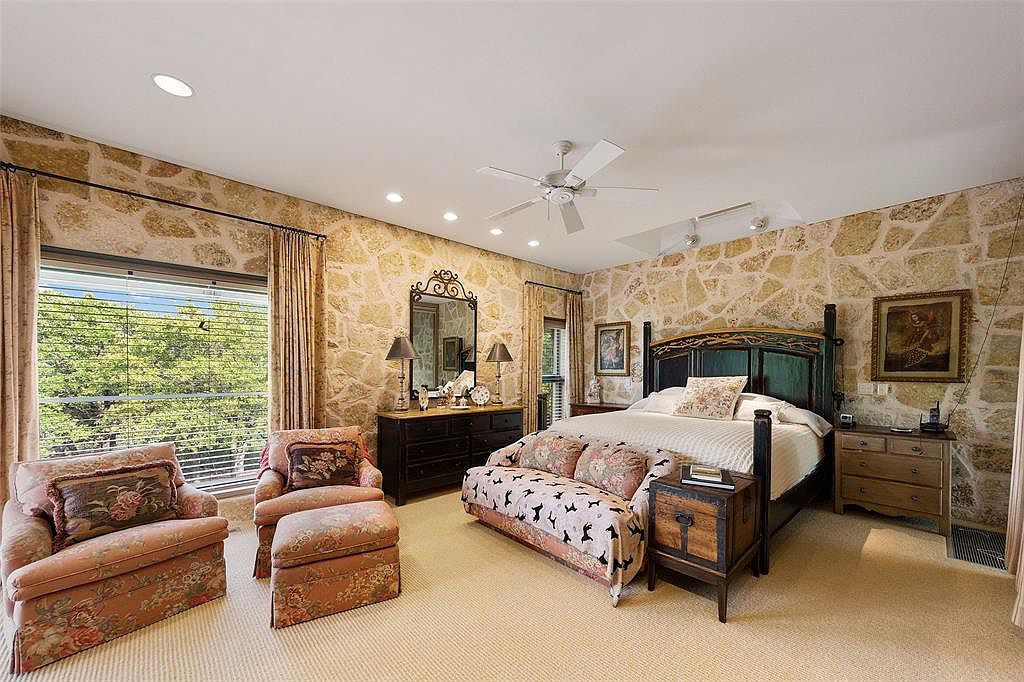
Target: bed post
(763, 470)
(827, 407)
(648, 368)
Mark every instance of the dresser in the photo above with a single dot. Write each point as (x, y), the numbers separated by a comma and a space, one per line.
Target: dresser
(893, 473)
(576, 409)
(420, 451)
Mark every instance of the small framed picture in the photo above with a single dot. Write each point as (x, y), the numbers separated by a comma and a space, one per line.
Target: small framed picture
(920, 337)
(451, 349)
(611, 349)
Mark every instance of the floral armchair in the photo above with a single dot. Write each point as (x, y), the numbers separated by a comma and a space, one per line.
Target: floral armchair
(60, 602)
(276, 498)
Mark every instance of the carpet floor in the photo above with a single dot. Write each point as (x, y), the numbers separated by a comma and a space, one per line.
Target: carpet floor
(848, 597)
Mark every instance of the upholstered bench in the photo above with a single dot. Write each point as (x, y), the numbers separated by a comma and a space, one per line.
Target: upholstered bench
(333, 559)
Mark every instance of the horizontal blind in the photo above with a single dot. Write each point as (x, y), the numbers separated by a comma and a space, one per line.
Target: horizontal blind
(126, 361)
(553, 369)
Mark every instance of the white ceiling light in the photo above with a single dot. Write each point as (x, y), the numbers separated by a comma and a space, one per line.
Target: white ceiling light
(496, 231)
(759, 223)
(394, 197)
(449, 216)
(172, 86)
(533, 242)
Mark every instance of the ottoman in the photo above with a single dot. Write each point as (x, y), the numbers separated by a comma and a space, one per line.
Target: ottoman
(333, 559)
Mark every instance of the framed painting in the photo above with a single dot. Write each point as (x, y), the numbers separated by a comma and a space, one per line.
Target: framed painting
(611, 349)
(920, 337)
(451, 350)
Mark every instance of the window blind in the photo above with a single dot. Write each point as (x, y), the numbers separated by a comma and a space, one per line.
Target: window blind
(125, 361)
(553, 368)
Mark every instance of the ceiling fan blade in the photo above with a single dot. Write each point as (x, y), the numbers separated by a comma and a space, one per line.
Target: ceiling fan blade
(635, 194)
(507, 175)
(515, 209)
(571, 218)
(602, 153)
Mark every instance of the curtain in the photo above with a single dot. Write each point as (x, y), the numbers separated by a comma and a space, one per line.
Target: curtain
(295, 292)
(1015, 527)
(19, 283)
(574, 330)
(533, 342)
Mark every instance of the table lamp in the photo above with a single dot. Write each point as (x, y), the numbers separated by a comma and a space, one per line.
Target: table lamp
(402, 350)
(499, 354)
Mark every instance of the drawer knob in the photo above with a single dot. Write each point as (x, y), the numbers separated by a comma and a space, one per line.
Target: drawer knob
(916, 448)
(914, 471)
(684, 519)
(862, 443)
(863, 463)
(915, 498)
(862, 490)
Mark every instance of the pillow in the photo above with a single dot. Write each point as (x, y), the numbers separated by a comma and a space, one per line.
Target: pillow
(797, 415)
(278, 442)
(311, 465)
(554, 453)
(667, 396)
(711, 397)
(92, 504)
(749, 402)
(611, 467)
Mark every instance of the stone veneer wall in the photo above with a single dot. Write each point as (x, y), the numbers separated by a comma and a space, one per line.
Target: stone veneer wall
(371, 264)
(784, 278)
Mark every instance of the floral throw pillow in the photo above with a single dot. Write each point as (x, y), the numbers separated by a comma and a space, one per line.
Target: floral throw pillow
(88, 505)
(711, 397)
(554, 453)
(311, 465)
(613, 467)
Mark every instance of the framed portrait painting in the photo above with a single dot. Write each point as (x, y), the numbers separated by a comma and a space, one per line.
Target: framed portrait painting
(451, 350)
(611, 349)
(920, 337)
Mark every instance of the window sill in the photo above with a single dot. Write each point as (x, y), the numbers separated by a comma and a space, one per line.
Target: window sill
(246, 488)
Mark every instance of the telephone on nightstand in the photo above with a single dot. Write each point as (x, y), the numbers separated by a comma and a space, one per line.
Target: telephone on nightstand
(847, 421)
(934, 425)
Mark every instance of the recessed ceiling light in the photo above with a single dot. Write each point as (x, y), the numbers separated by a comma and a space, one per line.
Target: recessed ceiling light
(533, 242)
(496, 231)
(171, 85)
(449, 216)
(394, 197)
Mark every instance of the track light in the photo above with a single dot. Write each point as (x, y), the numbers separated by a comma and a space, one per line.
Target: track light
(759, 223)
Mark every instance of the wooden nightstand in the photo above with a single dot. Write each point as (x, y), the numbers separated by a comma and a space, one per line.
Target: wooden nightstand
(898, 474)
(705, 533)
(576, 409)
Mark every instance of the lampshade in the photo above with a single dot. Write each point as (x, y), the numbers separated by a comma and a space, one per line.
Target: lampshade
(401, 349)
(499, 353)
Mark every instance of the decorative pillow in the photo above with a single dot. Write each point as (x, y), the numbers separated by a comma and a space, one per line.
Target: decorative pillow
(612, 467)
(311, 465)
(711, 397)
(552, 452)
(93, 504)
(278, 442)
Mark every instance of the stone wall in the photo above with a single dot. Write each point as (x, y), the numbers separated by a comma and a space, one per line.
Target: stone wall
(371, 264)
(784, 278)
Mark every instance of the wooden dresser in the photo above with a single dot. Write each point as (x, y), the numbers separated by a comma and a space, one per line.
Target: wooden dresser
(419, 451)
(576, 409)
(899, 474)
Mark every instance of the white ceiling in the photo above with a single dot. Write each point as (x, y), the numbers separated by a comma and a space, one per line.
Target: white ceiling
(833, 108)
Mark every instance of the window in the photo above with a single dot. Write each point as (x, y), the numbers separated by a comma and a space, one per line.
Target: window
(125, 360)
(553, 368)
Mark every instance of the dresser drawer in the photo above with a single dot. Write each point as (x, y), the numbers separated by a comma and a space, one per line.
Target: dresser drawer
(688, 528)
(423, 429)
(489, 442)
(507, 420)
(853, 441)
(900, 495)
(449, 447)
(473, 424)
(914, 470)
(912, 446)
(445, 467)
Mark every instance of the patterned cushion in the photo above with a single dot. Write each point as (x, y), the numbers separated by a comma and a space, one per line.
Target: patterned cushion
(315, 464)
(612, 467)
(278, 442)
(711, 397)
(552, 452)
(91, 504)
(333, 532)
(269, 512)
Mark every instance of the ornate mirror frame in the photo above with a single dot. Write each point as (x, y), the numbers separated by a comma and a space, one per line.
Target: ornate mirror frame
(443, 284)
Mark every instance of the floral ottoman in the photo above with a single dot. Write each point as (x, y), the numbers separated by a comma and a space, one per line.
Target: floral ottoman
(333, 559)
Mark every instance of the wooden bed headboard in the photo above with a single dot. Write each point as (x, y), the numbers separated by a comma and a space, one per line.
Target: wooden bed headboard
(796, 366)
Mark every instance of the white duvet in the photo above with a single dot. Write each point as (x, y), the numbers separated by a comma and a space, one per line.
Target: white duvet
(796, 450)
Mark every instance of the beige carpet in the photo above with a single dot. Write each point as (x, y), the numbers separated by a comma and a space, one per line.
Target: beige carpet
(851, 597)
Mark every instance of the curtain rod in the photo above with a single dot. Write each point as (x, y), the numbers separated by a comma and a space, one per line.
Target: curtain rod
(149, 197)
(550, 286)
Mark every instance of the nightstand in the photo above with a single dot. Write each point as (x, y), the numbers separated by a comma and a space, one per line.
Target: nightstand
(705, 533)
(576, 409)
(897, 474)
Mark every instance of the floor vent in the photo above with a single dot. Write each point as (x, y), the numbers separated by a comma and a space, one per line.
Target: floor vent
(977, 546)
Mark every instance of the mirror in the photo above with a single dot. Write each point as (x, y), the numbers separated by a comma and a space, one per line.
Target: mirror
(442, 328)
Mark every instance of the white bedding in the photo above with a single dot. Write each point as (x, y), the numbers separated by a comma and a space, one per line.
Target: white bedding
(796, 450)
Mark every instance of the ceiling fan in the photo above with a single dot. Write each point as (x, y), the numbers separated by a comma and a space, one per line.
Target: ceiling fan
(560, 187)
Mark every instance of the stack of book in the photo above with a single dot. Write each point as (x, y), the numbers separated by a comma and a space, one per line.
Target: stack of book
(710, 477)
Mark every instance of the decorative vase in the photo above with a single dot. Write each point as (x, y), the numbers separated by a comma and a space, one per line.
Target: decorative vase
(424, 396)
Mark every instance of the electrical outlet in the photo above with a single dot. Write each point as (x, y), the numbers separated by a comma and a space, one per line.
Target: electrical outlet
(882, 389)
(865, 388)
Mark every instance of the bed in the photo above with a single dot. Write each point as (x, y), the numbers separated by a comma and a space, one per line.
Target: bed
(791, 365)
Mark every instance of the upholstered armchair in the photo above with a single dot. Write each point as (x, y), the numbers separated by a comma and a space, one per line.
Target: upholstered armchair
(60, 601)
(278, 494)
